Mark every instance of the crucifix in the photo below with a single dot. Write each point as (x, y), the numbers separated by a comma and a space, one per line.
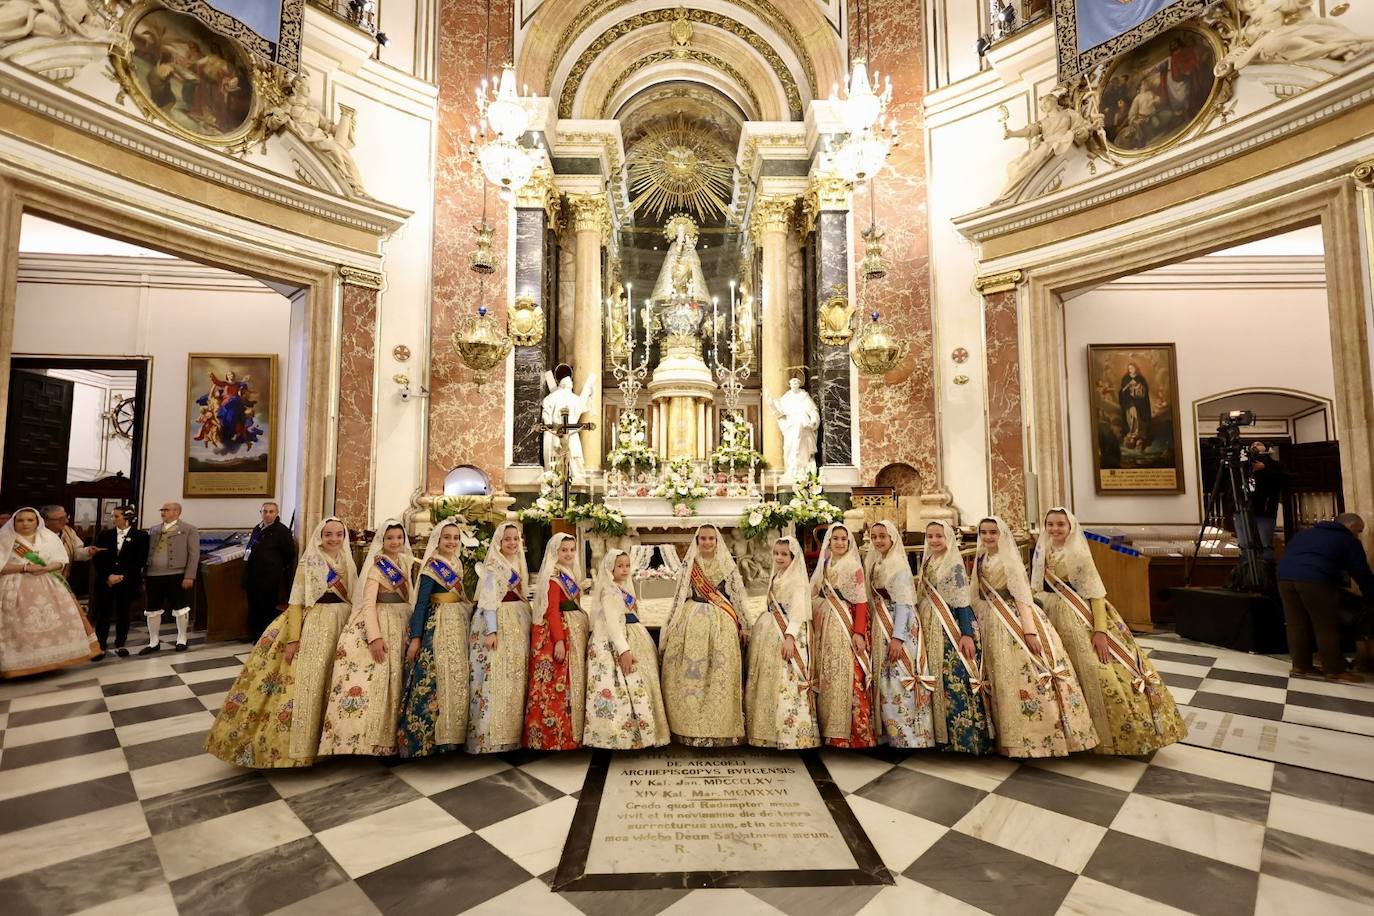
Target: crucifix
(563, 429)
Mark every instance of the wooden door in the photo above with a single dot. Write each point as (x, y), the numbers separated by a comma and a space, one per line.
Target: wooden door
(37, 436)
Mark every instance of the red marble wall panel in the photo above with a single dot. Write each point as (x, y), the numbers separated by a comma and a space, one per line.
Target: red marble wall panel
(466, 424)
(897, 418)
(357, 368)
(1007, 452)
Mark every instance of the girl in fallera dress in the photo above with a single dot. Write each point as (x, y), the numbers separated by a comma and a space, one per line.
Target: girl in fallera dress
(434, 703)
(556, 704)
(779, 704)
(1132, 711)
(41, 625)
(960, 698)
(840, 614)
(271, 716)
(499, 646)
(364, 700)
(1037, 704)
(624, 700)
(702, 659)
(904, 685)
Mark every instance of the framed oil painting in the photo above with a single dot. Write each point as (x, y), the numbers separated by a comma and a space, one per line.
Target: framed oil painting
(199, 84)
(231, 434)
(1136, 434)
(1156, 94)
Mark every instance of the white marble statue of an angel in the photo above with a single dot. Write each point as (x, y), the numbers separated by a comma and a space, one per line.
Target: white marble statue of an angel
(1287, 32)
(799, 419)
(1053, 135)
(562, 397)
(333, 141)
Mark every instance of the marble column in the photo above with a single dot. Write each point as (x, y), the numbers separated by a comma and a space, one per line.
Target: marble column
(536, 211)
(1006, 443)
(591, 222)
(772, 214)
(357, 369)
(828, 199)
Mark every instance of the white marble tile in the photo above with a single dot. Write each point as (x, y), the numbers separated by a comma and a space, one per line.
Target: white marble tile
(1326, 718)
(43, 776)
(908, 897)
(1053, 838)
(299, 780)
(1114, 772)
(1254, 664)
(148, 697)
(1278, 897)
(984, 773)
(154, 901)
(432, 775)
(50, 844)
(211, 674)
(194, 848)
(1363, 691)
(387, 837)
(1245, 691)
(1245, 771)
(157, 729)
(566, 772)
(1093, 898)
(534, 840)
(900, 838)
(175, 775)
(138, 670)
(1192, 829)
(851, 771)
(531, 897)
(733, 901)
(1168, 666)
(55, 698)
(57, 728)
(213, 701)
(1182, 695)
(1282, 742)
(1339, 826)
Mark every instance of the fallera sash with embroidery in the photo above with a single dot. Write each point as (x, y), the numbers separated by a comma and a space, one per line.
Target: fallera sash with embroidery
(1142, 678)
(1048, 668)
(631, 607)
(841, 611)
(977, 680)
(775, 611)
(707, 589)
(392, 573)
(332, 580)
(447, 575)
(913, 677)
(32, 556)
(568, 584)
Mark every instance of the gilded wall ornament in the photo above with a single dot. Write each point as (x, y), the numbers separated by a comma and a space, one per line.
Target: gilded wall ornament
(834, 318)
(526, 320)
(692, 54)
(680, 167)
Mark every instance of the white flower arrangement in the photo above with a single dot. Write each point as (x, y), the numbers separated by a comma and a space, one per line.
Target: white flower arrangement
(682, 484)
(809, 505)
(632, 450)
(735, 451)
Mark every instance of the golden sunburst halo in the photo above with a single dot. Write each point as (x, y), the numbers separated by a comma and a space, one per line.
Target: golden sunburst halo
(680, 167)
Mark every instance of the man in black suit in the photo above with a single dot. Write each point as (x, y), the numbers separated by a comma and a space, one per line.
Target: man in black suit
(118, 576)
(268, 564)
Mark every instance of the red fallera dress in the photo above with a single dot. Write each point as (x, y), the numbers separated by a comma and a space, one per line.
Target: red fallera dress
(861, 718)
(548, 708)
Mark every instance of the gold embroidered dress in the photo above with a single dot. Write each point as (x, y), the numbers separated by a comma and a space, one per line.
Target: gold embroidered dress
(1037, 704)
(843, 674)
(702, 663)
(434, 704)
(497, 677)
(624, 711)
(903, 690)
(779, 704)
(364, 699)
(271, 715)
(1132, 711)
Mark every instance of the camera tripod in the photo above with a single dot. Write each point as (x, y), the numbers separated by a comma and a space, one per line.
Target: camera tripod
(1251, 574)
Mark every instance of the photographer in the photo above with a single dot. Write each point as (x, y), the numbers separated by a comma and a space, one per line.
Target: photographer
(1265, 486)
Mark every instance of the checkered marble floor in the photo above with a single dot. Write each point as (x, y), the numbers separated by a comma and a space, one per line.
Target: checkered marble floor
(109, 806)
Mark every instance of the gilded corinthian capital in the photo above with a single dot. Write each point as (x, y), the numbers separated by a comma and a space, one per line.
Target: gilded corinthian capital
(590, 213)
(772, 213)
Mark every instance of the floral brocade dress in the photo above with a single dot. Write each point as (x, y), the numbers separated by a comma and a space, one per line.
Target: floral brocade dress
(905, 688)
(557, 701)
(779, 704)
(497, 677)
(623, 712)
(845, 707)
(703, 666)
(960, 710)
(434, 705)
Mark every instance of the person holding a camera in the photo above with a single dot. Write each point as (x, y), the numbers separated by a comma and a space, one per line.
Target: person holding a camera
(1265, 486)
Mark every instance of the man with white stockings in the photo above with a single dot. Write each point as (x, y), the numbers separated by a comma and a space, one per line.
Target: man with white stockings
(173, 558)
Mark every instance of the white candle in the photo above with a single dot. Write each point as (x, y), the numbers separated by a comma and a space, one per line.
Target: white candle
(630, 320)
(715, 330)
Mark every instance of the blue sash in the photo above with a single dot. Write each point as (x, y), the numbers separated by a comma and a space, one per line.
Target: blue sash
(446, 573)
(630, 605)
(568, 584)
(389, 570)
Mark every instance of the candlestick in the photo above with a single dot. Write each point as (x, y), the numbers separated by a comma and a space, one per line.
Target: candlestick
(715, 330)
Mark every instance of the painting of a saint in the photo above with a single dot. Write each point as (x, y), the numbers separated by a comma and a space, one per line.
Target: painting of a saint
(1136, 445)
(231, 449)
(1155, 93)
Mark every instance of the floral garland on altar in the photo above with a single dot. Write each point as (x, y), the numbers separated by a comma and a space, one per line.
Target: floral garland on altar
(735, 450)
(808, 506)
(681, 484)
(548, 505)
(632, 449)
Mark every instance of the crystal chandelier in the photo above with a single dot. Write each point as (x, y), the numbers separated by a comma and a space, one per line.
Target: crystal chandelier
(870, 131)
(876, 351)
(496, 142)
(480, 343)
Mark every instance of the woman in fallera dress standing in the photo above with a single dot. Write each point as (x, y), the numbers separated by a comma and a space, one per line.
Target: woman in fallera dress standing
(624, 700)
(1037, 704)
(364, 699)
(962, 722)
(904, 686)
(499, 646)
(840, 612)
(41, 625)
(1133, 712)
(702, 659)
(779, 704)
(556, 704)
(271, 716)
(434, 704)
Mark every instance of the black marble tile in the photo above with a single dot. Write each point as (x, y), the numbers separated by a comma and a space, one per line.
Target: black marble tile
(1259, 709)
(345, 899)
(444, 880)
(494, 798)
(155, 711)
(1180, 680)
(1078, 798)
(83, 882)
(1331, 704)
(4, 707)
(58, 749)
(260, 883)
(1173, 876)
(990, 877)
(54, 713)
(1346, 873)
(624, 903)
(925, 796)
(1205, 794)
(151, 683)
(229, 662)
(354, 798)
(1247, 677)
(1182, 657)
(205, 688)
(1331, 788)
(67, 801)
(203, 803)
(817, 901)
(151, 753)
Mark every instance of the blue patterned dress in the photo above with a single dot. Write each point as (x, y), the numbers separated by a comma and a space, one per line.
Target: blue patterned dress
(434, 707)
(961, 723)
